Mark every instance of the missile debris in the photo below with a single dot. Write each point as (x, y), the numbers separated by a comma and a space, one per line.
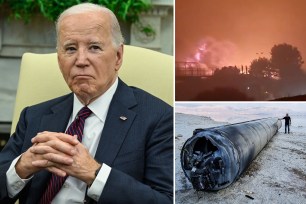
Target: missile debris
(214, 158)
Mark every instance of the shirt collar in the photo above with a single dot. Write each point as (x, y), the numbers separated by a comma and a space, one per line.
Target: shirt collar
(99, 106)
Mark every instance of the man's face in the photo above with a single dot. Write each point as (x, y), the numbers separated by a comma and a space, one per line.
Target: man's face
(88, 59)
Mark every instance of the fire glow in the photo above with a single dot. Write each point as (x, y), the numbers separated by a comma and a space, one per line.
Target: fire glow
(212, 54)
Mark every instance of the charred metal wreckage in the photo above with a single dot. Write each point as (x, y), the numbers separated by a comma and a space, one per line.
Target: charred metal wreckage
(213, 158)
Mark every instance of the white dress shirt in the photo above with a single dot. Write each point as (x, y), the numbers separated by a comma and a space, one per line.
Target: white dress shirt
(91, 136)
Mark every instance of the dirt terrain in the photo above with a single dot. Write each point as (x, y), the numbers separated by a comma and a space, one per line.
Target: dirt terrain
(277, 175)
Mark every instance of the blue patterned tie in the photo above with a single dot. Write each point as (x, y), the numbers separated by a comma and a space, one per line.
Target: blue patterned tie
(56, 182)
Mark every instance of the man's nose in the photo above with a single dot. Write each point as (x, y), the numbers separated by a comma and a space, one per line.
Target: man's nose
(82, 58)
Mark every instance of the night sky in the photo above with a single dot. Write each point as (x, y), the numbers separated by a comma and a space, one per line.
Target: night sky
(234, 32)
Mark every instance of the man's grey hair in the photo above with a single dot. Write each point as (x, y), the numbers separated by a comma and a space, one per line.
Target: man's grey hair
(117, 37)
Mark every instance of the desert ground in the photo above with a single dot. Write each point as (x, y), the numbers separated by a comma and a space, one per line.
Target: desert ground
(277, 175)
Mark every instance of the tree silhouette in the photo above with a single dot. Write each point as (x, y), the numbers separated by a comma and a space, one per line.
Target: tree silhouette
(262, 67)
(227, 72)
(287, 59)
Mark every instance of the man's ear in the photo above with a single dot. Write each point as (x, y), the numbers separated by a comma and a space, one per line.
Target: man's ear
(59, 62)
(119, 57)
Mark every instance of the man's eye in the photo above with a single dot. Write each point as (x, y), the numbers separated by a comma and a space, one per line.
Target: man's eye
(95, 47)
(70, 49)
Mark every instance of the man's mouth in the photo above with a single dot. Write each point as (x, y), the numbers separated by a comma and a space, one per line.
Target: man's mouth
(82, 76)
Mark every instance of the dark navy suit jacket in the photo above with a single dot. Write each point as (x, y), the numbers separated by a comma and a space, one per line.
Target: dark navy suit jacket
(139, 149)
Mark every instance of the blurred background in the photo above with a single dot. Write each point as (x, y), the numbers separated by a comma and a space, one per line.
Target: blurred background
(28, 26)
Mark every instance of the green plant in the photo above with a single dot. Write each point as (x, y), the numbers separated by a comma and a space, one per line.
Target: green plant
(145, 29)
(126, 10)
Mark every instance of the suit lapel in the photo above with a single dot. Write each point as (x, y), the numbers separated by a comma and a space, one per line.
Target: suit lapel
(118, 121)
(57, 121)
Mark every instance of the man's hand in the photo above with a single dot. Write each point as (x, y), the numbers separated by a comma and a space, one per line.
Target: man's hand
(83, 167)
(51, 150)
(64, 155)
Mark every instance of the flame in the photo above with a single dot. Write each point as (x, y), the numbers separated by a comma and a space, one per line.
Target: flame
(213, 54)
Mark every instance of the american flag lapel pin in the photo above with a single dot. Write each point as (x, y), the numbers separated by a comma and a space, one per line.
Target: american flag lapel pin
(123, 118)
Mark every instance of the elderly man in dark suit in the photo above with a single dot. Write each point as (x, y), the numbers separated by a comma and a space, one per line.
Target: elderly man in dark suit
(105, 142)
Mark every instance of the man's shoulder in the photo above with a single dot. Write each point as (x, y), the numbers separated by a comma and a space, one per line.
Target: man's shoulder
(128, 94)
(145, 98)
(52, 102)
